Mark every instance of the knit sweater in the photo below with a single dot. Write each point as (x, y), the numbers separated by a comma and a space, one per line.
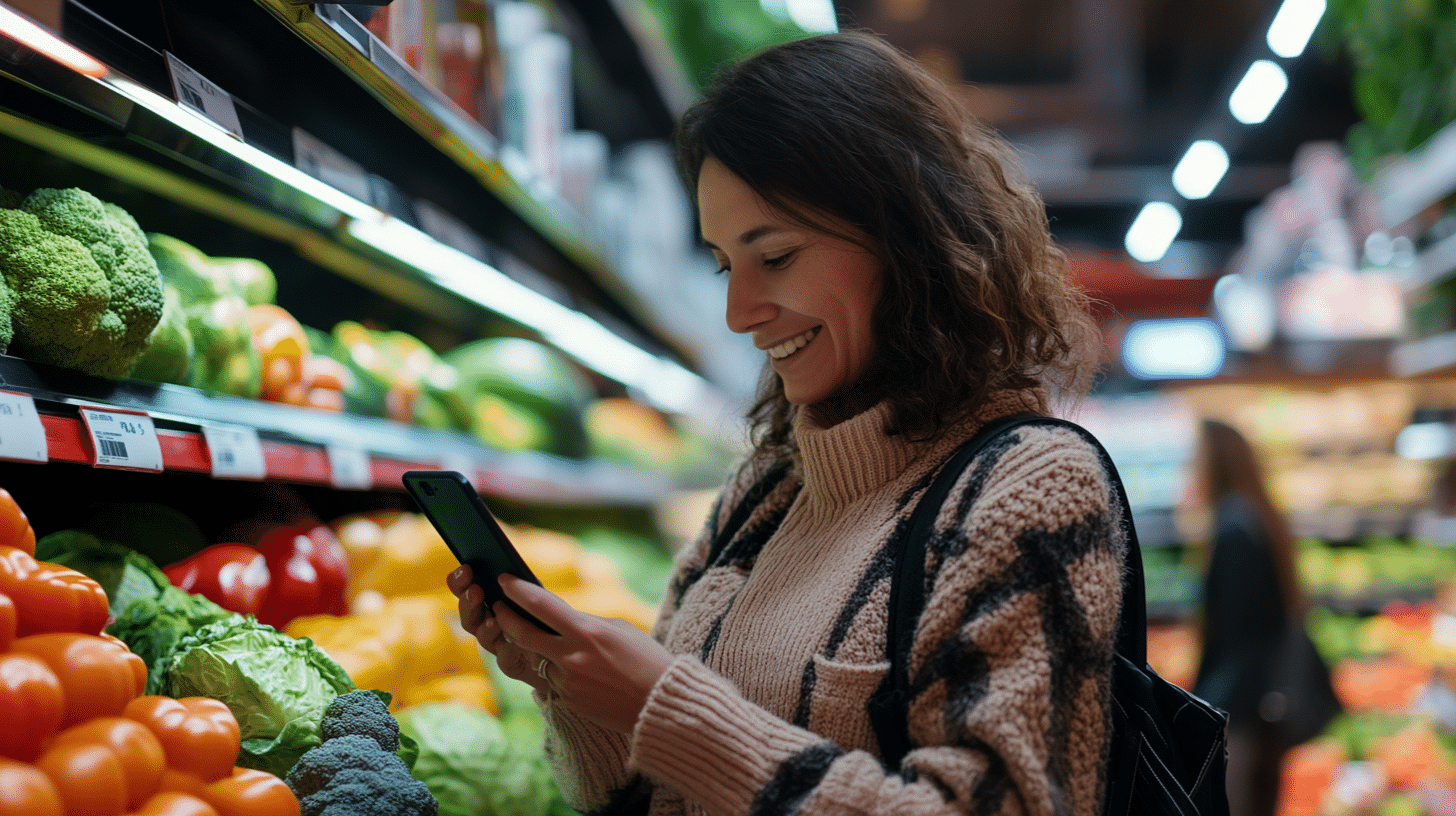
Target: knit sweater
(781, 641)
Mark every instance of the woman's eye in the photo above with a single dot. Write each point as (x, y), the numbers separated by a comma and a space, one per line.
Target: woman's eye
(722, 268)
(780, 262)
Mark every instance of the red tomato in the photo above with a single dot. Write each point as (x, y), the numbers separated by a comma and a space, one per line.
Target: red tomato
(135, 745)
(8, 622)
(89, 777)
(174, 803)
(26, 791)
(33, 703)
(15, 529)
(249, 792)
(98, 674)
(49, 597)
(199, 735)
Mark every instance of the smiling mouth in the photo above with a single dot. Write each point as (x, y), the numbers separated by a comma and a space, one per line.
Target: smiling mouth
(793, 344)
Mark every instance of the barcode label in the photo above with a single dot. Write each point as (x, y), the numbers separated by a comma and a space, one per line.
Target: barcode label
(198, 93)
(349, 468)
(123, 439)
(22, 436)
(110, 447)
(236, 452)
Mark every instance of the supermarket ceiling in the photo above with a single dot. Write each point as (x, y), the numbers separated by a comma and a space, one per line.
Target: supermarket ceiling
(1105, 96)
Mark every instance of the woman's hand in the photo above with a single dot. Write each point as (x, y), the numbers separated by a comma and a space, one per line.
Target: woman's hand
(602, 669)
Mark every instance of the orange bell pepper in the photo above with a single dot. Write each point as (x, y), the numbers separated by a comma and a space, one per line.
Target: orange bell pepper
(33, 705)
(99, 675)
(90, 778)
(49, 597)
(8, 622)
(199, 735)
(174, 803)
(249, 792)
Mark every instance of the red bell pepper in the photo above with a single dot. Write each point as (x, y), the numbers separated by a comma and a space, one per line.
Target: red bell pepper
(233, 576)
(309, 571)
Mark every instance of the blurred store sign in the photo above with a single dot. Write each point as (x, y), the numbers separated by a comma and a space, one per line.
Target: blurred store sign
(1187, 348)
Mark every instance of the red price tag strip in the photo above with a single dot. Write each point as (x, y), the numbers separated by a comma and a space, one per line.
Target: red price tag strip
(197, 92)
(235, 451)
(123, 439)
(349, 468)
(22, 436)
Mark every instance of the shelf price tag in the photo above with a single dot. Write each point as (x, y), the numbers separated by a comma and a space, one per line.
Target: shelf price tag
(123, 439)
(323, 162)
(349, 468)
(197, 92)
(22, 436)
(236, 452)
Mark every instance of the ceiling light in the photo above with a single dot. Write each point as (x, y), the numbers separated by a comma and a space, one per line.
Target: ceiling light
(1185, 348)
(1153, 231)
(1258, 92)
(1201, 169)
(1294, 25)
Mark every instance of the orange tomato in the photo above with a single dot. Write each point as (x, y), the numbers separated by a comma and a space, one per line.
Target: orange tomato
(15, 529)
(98, 674)
(175, 781)
(278, 374)
(49, 597)
(325, 372)
(8, 622)
(324, 399)
(135, 745)
(89, 777)
(26, 791)
(199, 735)
(173, 803)
(33, 705)
(276, 332)
(249, 792)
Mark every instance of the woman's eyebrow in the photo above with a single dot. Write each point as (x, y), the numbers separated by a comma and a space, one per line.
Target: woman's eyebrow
(750, 236)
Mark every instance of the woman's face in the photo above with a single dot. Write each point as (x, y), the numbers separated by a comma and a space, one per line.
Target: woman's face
(806, 297)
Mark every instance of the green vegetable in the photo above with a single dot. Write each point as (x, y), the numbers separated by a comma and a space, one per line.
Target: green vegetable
(7, 308)
(168, 357)
(124, 573)
(351, 774)
(225, 359)
(153, 627)
(277, 686)
(474, 767)
(363, 713)
(531, 375)
(94, 317)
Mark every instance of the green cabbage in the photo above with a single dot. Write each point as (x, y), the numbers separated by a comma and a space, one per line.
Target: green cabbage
(477, 767)
(277, 686)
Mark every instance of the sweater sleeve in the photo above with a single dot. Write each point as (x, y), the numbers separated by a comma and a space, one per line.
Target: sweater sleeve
(1011, 667)
(592, 764)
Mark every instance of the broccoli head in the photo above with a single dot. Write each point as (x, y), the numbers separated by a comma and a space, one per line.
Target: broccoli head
(350, 775)
(363, 713)
(60, 292)
(357, 792)
(119, 247)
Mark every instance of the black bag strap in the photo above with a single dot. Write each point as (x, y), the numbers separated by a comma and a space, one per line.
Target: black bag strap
(889, 708)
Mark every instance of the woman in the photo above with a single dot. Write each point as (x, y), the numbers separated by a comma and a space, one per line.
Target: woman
(897, 271)
(1253, 614)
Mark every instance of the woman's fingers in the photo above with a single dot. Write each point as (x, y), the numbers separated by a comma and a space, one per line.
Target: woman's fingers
(458, 580)
(544, 604)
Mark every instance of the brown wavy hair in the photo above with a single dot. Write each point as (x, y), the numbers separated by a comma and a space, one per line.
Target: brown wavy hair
(975, 295)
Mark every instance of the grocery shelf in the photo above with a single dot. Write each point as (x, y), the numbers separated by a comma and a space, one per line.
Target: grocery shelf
(304, 445)
(1418, 179)
(1424, 356)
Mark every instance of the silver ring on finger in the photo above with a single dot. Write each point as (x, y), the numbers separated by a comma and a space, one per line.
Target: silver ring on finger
(541, 669)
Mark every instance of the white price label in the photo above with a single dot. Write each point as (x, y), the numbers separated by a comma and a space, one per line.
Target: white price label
(328, 165)
(123, 439)
(197, 92)
(22, 436)
(460, 464)
(236, 452)
(349, 468)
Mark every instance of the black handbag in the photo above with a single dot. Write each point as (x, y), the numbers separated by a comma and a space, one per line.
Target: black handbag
(1298, 700)
(1168, 753)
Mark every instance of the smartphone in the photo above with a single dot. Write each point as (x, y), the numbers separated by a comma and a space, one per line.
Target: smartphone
(454, 507)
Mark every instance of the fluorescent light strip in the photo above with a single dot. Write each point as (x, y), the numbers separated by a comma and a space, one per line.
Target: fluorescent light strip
(1201, 169)
(1258, 92)
(1293, 25)
(1153, 231)
(38, 38)
(210, 132)
(663, 382)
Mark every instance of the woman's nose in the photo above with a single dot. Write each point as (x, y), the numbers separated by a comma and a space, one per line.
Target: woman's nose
(748, 302)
